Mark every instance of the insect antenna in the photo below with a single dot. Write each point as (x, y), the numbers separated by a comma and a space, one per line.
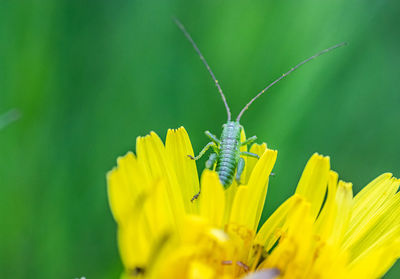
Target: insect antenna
(286, 74)
(187, 35)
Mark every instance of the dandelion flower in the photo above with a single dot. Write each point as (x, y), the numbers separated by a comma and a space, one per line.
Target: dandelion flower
(322, 231)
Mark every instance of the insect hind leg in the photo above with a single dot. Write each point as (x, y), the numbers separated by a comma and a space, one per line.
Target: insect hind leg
(250, 154)
(250, 140)
(239, 170)
(211, 161)
(212, 137)
(204, 150)
(209, 165)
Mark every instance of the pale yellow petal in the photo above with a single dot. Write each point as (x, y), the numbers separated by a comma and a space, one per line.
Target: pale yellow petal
(230, 194)
(252, 197)
(258, 149)
(378, 258)
(370, 202)
(159, 215)
(326, 219)
(126, 184)
(178, 147)
(387, 258)
(385, 218)
(151, 155)
(313, 182)
(344, 204)
(139, 236)
(119, 196)
(329, 262)
(295, 247)
(238, 214)
(134, 242)
(299, 229)
(375, 186)
(212, 198)
(271, 230)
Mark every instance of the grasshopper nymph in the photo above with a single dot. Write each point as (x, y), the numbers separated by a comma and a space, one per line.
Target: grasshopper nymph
(227, 155)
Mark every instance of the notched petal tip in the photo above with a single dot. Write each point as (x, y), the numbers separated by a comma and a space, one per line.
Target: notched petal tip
(316, 155)
(345, 185)
(149, 136)
(128, 155)
(180, 129)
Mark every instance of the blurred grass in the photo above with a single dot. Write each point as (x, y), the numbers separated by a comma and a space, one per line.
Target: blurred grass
(90, 76)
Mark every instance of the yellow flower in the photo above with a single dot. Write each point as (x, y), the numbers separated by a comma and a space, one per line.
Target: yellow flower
(319, 232)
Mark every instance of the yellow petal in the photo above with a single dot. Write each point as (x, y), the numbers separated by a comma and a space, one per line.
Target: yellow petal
(151, 155)
(230, 194)
(249, 200)
(140, 234)
(212, 198)
(313, 182)
(385, 218)
(238, 212)
(258, 149)
(134, 242)
(376, 193)
(126, 183)
(295, 247)
(344, 204)
(159, 215)
(374, 187)
(326, 220)
(377, 260)
(178, 147)
(370, 201)
(271, 230)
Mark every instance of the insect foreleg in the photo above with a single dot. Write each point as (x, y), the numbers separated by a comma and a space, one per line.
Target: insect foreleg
(212, 137)
(204, 150)
(249, 154)
(211, 161)
(195, 197)
(209, 165)
(250, 140)
(239, 170)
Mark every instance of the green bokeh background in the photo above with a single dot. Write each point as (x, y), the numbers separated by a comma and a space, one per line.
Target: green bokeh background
(90, 76)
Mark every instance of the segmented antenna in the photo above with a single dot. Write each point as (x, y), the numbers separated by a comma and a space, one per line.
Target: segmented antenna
(187, 35)
(286, 74)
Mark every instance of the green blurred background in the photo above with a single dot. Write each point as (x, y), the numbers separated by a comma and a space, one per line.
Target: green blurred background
(88, 77)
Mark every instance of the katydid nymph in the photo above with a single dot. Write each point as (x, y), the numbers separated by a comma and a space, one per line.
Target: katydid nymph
(227, 157)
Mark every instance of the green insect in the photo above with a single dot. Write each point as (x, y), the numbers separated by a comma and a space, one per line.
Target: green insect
(227, 155)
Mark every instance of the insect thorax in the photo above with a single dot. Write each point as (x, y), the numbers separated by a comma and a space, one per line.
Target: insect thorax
(231, 131)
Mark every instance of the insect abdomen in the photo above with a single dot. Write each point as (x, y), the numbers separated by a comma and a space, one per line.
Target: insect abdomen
(226, 166)
(229, 154)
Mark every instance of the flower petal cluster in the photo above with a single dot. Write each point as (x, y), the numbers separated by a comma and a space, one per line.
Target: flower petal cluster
(322, 231)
